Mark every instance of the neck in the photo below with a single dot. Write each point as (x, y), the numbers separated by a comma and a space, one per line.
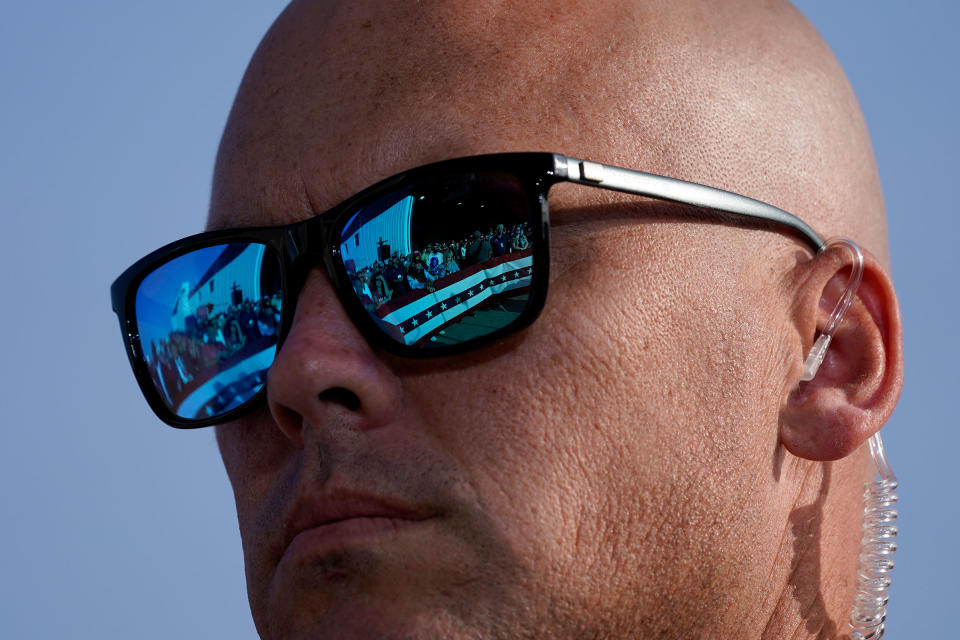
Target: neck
(820, 548)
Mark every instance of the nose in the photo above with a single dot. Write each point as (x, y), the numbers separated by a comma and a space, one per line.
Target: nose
(325, 366)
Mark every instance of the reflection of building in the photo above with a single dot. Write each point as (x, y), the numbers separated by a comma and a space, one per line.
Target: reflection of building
(226, 281)
(374, 227)
(181, 308)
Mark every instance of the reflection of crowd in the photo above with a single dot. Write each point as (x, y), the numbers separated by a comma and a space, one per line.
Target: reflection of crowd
(209, 339)
(385, 280)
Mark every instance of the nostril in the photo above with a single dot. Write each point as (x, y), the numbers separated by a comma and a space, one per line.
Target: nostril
(341, 396)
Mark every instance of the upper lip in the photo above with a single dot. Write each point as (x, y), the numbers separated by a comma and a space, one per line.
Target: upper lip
(336, 505)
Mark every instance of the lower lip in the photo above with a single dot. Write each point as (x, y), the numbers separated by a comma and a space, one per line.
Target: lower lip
(349, 532)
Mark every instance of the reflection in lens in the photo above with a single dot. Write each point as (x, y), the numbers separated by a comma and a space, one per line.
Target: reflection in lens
(444, 262)
(208, 323)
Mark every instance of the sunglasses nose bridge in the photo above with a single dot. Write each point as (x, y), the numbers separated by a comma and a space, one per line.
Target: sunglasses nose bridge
(307, 246)
(308, 238)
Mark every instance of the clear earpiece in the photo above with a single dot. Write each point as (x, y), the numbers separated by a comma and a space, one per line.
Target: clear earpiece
(877, 545)
(815, 358)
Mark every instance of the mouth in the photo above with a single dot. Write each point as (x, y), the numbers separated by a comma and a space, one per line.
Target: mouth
(343, 521)
(348, 532)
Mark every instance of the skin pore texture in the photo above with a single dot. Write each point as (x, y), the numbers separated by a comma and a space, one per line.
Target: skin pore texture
(642, 461)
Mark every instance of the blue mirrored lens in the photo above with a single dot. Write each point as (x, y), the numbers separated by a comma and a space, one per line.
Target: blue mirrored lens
(208, 322)
(445, 261)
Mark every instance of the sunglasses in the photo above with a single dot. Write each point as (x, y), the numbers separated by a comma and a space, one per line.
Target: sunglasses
(430, 262)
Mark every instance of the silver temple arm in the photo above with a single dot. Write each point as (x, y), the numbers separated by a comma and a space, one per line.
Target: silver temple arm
(647, 184)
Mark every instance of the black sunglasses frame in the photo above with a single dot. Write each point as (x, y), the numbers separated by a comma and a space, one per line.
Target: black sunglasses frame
(301, 245)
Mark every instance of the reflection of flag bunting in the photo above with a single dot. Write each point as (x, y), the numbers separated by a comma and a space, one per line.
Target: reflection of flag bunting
(417, 314)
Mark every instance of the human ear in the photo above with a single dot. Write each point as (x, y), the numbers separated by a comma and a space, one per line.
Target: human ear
(856, 387)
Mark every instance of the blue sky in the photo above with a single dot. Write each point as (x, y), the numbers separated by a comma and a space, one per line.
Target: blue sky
(116, 527)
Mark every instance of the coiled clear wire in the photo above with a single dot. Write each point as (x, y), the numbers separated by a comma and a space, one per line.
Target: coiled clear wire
(877, 547)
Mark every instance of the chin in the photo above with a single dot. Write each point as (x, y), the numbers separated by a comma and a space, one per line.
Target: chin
(368, 594)
(373, 619)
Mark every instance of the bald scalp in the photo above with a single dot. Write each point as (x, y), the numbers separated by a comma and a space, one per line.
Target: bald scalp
(747, 98)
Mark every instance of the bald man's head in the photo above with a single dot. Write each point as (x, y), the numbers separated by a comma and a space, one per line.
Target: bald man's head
(642, 461)
(747, 97)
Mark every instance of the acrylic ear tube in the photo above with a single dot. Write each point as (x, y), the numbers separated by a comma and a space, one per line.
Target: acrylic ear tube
(877, 546)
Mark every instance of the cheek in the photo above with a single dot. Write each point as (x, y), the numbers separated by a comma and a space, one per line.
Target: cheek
(553, 438)
(253, 449)
(261, 467)
(624, 434)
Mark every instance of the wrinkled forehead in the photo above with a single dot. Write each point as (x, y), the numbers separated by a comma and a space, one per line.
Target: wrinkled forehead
(340, 95)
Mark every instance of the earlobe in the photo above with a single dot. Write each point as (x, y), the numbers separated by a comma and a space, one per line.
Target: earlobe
(857, 385)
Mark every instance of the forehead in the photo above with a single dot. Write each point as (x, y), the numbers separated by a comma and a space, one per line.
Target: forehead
(339, 96)
(366, 91)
